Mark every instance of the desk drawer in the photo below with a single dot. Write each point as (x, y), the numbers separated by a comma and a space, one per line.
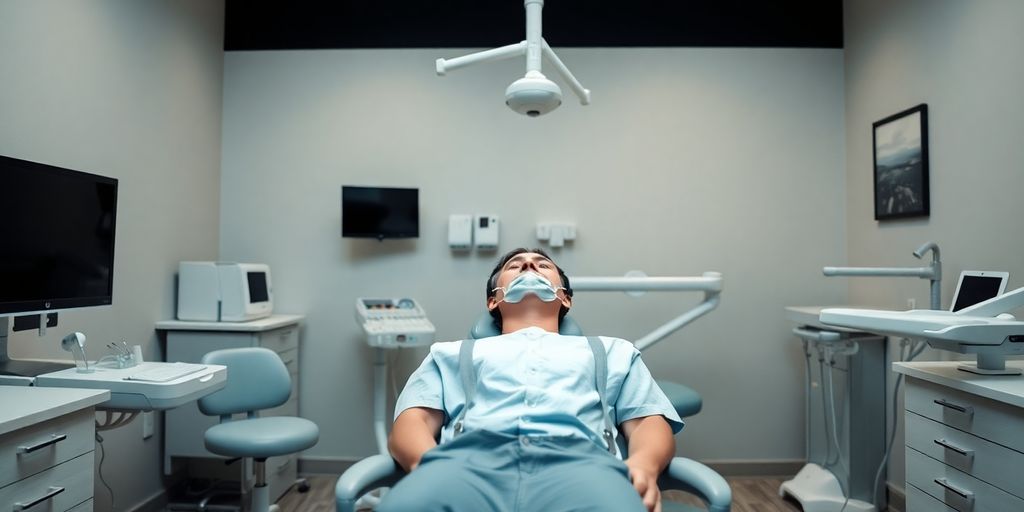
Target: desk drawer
(281, 340)
(281, 474)
(290, 358)
(50, 443)
(68, 485)
(987, 419)
(83, 507)
(920, 501)
(955, 488)
(986, 461)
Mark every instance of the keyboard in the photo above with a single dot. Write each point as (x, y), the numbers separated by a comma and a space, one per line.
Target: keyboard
(165, 372)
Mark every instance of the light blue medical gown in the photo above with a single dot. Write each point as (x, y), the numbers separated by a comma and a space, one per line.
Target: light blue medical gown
(537, 383)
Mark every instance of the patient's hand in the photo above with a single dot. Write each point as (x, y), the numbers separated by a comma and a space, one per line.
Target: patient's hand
(651, 446)
(645, 481)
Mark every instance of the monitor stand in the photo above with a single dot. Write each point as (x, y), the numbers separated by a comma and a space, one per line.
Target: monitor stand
(23, 368)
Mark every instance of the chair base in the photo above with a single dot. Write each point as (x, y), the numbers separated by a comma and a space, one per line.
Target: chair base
(203, 495)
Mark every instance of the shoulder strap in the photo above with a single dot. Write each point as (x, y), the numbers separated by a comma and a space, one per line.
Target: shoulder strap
(468, 373)
(601, 381)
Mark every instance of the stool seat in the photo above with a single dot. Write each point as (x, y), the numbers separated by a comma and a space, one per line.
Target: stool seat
(685, 400)
(262, 437)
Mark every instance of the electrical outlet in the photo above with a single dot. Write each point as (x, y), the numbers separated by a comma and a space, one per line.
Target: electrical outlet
(147, 424)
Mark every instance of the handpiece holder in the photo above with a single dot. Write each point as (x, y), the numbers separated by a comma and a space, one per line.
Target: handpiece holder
(75, 343)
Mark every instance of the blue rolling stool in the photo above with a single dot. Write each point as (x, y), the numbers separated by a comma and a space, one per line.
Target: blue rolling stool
(257, 379)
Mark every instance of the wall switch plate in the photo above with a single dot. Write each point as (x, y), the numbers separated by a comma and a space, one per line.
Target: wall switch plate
(485, 231)
(460, 232)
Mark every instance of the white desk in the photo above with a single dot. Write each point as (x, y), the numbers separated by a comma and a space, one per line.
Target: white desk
(47, 440)
(964, 438)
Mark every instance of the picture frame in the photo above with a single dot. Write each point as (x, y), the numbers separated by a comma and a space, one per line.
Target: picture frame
(900, 144)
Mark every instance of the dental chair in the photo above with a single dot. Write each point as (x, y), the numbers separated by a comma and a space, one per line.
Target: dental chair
(257, 379)
(682, 474)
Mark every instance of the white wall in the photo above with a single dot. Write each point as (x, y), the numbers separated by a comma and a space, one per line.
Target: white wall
(688, 160)
(130, 90)
(966, 61)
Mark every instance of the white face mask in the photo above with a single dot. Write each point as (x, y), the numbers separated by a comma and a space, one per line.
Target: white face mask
(526, 283)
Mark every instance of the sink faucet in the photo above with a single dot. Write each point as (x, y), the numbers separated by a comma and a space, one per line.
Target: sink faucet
(933, 272)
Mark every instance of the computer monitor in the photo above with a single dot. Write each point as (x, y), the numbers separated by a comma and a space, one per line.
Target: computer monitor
(977, 286)
(378, 212)
(58, 239)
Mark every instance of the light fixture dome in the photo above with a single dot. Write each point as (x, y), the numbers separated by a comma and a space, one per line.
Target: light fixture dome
(533, 95)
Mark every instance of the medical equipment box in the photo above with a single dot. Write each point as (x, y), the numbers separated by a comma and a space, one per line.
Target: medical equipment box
(215, 291)
(394, 323)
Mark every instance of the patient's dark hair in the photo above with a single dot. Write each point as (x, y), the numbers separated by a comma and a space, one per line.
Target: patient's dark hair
(492, 281)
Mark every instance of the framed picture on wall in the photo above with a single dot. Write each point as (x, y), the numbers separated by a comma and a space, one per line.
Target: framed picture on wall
(901, 164)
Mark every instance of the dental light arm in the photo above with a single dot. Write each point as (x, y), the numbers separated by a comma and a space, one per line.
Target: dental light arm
(492, 55)
(534, 94)
(932, 272)
(710, 283)
(582, 93)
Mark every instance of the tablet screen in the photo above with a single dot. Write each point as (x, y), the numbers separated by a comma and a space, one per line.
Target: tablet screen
(975, 289)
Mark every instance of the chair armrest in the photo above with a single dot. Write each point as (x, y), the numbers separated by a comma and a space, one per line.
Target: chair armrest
(364, 476)
(695, 478)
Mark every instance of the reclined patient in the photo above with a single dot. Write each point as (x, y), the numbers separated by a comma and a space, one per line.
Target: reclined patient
(521, 417)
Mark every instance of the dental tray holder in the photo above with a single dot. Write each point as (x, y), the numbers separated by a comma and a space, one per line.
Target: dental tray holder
(986, 329)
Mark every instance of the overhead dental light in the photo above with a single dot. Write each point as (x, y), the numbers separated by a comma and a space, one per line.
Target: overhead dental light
(533, 95)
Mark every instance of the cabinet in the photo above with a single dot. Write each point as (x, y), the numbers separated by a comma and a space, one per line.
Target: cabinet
(47, 444)
(964, 438)
(189, 342)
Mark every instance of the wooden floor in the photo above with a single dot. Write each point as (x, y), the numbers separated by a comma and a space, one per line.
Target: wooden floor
(748, 495)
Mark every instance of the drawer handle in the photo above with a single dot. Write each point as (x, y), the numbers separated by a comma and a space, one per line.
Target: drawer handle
(967, 495)
(18, 507)
(952, 447)
(955, 407)
(53, 440)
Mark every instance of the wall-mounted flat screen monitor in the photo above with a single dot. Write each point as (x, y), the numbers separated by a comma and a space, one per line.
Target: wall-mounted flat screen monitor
(377, 212)
(57, 233)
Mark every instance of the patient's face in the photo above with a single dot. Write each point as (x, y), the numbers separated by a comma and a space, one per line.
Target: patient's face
(528, 262)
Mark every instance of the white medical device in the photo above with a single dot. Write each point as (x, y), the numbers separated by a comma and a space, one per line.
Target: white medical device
(216, 291)
(986, 329)
(485, 231)
(976, 286)
(394, 323)
(533, 95)
(460, 232)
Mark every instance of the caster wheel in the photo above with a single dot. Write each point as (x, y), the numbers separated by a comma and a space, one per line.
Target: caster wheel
(304, 487)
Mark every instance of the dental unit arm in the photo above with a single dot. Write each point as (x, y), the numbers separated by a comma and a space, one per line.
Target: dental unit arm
(986, 329)
(933, 272)
(534, 94)
(710, 283)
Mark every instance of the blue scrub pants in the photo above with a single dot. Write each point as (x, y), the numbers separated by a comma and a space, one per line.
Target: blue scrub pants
(485, 471)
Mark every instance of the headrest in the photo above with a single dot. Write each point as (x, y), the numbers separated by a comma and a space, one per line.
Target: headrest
(485, 327)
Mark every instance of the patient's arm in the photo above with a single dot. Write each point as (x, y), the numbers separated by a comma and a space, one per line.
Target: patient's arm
(651, 447)
(415, 431)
